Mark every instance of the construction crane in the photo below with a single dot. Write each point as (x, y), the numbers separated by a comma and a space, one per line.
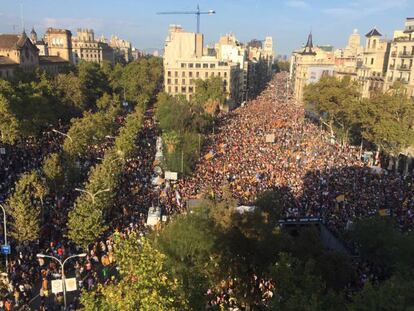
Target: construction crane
(197, 13)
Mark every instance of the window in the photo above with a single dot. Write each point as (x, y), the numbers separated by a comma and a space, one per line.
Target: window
(206, 75)
(219, 74)
(205, 65)
(198, 65)
(183, 81)
(183, 89)
(169, 73)
(190, 65)
(169, 81)
(212, 65)
(190, 74)
(372, 61)
(197, 74)
(183, 65)
(212, 74)
(225, 74)
(183, 74)
(176, 81)
(191, 81)
(190, 89)
(176, 89)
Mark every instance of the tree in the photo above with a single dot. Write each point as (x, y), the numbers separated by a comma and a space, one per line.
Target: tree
(25, 209)
(395, 294)
(336, 102)
(210, 94)
(54, 172)
(387, 121)
(93, 81)
(297, 288)
(70, 91)
(9, 124)
(145, 283)
(189, 243)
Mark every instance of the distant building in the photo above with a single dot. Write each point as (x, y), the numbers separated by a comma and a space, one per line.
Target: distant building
(347, 60)
(400, 63)
(184, 63)
(137, 54)
(86, 48)
(122, 48)
(59, 43)
(308, 66)
(372, 72)
(19, 52)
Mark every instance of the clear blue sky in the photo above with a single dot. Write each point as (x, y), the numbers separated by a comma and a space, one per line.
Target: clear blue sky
(288, 21)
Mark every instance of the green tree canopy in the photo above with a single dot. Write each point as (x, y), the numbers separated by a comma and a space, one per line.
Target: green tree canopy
(145, 283)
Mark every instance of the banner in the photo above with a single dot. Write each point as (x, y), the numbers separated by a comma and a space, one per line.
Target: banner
(71, 284)
(57, 286)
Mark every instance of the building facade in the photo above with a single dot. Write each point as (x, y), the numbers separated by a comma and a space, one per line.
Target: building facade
(347, 60)
(59, 43)
(122, 49)
(400, 64)
(185, 62)
(19, 52)
(372, 72)
(85, 47)
(308, 66)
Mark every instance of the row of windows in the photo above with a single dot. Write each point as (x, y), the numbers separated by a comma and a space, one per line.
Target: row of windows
(204, 65)
(183, 89)
(190, 81)
(196, 74)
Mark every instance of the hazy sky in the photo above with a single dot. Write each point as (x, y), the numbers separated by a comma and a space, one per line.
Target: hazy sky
(288, 21)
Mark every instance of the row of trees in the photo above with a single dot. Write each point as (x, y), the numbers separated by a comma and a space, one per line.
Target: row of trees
(185, 123)
(60, 171)
(91, 214)
(32, 101)
(215, 248)
(386, 120)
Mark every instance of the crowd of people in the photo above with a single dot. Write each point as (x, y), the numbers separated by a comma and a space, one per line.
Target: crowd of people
(269, 144)
(266, 144)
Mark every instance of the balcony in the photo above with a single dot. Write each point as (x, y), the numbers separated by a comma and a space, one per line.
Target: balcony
(405, 55)
(402, 80)
(404, 68)
(394, 54)
(392, 66)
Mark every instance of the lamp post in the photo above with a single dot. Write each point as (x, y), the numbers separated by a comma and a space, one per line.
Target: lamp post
(5, 233)
(92, 195)
(62, 266)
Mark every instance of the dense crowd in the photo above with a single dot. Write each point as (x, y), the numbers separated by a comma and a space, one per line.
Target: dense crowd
(266, 144)
(269, 144)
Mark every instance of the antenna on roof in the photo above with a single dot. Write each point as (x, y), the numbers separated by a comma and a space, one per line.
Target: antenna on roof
(21, 15)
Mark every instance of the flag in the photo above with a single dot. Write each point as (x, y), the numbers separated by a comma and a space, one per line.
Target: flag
(340, 198)
(384, 212)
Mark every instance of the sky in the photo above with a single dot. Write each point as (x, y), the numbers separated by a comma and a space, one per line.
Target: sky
(287, 21)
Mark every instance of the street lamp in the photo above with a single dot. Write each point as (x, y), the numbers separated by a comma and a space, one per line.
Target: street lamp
(61, 133)
(5, 233)
(62, 266)
(92, 195)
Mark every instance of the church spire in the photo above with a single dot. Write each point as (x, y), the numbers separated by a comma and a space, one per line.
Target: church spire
(309, 46)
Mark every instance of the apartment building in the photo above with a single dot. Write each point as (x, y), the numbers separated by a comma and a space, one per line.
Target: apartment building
(400, 64)
(185, 62)
(85, 47)
(308, 66)
(371, 74)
